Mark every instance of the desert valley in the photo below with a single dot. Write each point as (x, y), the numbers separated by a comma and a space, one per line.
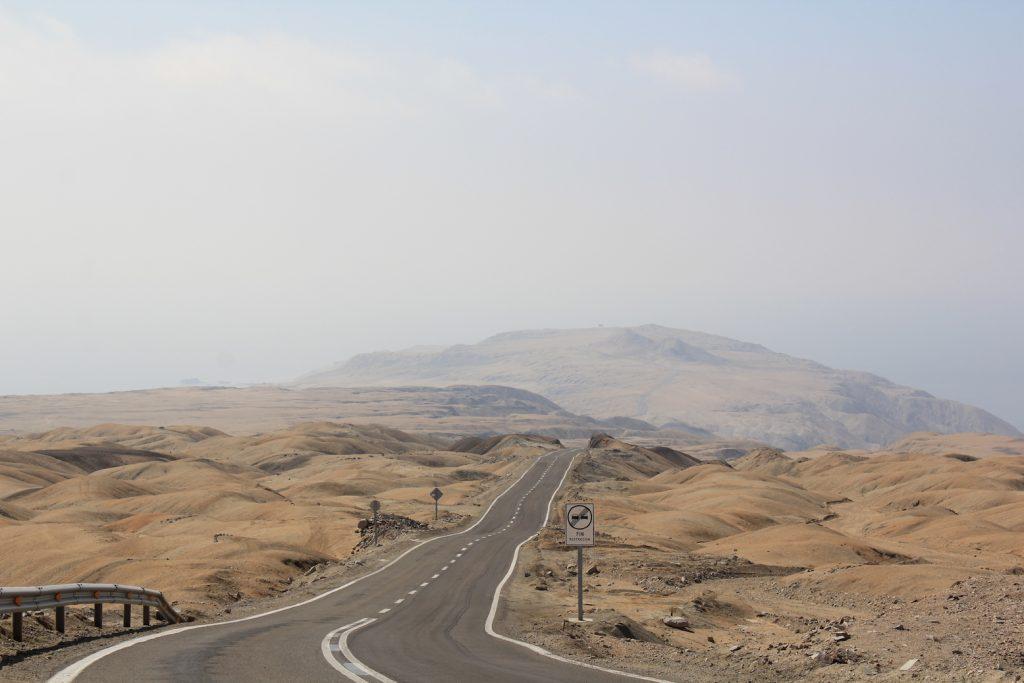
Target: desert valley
(719, 555)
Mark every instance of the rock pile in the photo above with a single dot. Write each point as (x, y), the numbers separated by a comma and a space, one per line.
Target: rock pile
(389, 527)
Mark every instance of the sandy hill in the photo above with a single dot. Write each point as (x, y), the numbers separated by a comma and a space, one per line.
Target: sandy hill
(825, 565)
(976, 445)
(610, 458)
(696, 381)
(213, 518)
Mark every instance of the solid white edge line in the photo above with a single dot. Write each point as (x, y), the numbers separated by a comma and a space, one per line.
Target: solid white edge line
(325, 648)
(71, 671)
(489, 624)
(343, 646)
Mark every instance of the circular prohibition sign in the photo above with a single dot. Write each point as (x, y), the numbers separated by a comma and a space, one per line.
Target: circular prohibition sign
(580, 517)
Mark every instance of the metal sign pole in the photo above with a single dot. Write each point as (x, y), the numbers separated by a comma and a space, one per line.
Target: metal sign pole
(375, 506)
(436, 495)
(579, 582)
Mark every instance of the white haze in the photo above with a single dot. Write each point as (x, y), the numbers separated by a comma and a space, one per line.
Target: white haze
(248, 203)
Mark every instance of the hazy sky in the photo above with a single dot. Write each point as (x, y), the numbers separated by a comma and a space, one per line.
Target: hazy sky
(247, 191)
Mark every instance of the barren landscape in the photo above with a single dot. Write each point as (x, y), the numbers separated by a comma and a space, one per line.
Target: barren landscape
(829, 566)
(816, 565)
(219, 522)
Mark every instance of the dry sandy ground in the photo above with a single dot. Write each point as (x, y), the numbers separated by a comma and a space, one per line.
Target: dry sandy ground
(827, 568)
(218, 522)
(449, 412)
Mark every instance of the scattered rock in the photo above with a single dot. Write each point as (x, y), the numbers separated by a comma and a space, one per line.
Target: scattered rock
(680, 623)
(908, 665)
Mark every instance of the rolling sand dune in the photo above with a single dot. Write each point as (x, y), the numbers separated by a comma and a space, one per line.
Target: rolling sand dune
(214, 519)
(820, 566)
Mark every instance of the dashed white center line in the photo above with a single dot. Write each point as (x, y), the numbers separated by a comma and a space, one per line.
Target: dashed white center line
(384, 611)
(435, 576)
(458, 555)
(412, 592)
(399, 601)
(444, 568)
(464, 549)
(425, 583)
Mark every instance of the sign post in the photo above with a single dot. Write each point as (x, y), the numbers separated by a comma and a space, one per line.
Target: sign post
(375, 506)
(436, 495)
(579, 532)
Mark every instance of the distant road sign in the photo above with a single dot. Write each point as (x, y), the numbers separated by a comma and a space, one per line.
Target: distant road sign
(375, 505)
(436, 494)
(579, 524)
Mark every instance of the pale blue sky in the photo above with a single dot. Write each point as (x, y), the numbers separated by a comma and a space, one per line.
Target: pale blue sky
(246, 191)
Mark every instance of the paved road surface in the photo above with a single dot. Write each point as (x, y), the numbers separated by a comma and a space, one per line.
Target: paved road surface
(420, 619)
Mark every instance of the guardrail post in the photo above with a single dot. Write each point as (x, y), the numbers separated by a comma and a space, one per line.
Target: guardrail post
(16, 619)
(97, 615)
(127, 615)
(60, 619)
(145, 615)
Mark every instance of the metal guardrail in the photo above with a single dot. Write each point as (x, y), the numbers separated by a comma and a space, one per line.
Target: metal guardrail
(18, 600)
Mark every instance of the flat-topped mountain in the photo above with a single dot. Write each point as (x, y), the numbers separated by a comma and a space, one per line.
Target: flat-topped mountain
(678, 378)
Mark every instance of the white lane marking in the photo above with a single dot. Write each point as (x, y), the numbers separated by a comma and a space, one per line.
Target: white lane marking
(343, 646)
(457, 555)
(435, 576)
(444, 568)
(424, 584)
(72, 671)
(327, 649)
(384, 611)
(489, 624)
(399, 601)
(464, 549)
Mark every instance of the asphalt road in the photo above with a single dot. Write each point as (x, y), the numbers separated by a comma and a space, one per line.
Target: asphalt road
(421, 618)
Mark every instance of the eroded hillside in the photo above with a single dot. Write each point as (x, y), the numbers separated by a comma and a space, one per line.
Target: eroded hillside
(677, 378)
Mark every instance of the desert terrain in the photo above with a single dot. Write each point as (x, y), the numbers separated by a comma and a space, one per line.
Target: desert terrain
(223, 523)
(836, 566)
(712, 563)
(693, 381)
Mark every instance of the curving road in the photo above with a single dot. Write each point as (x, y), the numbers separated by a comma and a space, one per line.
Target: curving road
(423, 617)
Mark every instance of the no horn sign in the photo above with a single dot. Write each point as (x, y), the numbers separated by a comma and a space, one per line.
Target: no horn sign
(579, 524)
